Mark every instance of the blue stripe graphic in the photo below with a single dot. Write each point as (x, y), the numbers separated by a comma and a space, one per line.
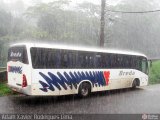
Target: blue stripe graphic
(71, 79)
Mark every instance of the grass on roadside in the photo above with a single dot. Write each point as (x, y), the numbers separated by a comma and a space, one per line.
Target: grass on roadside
(5, 90)
(154, 76)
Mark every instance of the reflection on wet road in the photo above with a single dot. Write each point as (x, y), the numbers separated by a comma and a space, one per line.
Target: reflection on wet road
(140, 100)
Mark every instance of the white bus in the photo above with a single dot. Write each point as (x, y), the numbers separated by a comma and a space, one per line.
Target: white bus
(43, 69)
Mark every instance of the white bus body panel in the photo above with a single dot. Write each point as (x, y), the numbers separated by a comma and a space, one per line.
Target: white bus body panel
(118, 78)
(15, 78)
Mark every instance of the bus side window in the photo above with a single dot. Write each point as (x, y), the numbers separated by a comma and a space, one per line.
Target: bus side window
(90, 60)
(112, 61)
(97, 61)
(103, 61)
(108, 61)
(64, 60)
(139, 64)
(71, 60)
(135, 62)
(79, 60)
(50, 59)
(119, 61)
(57, 58)
(38, 63)
(127, 62)
(86, 61)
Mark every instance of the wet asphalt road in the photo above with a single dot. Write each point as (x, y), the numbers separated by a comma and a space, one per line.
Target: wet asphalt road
(140, 100)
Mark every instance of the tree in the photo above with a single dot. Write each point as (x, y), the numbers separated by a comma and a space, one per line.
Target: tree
(5, 24)
(77, 25)
(134, 31)
(18, 8)
(103, 4)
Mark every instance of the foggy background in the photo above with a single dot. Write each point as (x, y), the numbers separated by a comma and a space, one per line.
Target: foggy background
(77, 22)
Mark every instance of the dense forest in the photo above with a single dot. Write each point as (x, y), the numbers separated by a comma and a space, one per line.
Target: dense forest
(65, 22)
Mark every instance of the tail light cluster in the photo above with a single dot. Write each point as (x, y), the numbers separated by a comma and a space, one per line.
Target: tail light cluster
(24, 82)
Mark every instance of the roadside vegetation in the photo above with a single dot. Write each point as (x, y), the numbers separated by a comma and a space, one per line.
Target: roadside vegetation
(4, 90)
(154, 76)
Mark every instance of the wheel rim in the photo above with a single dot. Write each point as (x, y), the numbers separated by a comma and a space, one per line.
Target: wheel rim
(84, 91)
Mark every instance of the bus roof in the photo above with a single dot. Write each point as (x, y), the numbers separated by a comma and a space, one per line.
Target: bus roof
(79, 48)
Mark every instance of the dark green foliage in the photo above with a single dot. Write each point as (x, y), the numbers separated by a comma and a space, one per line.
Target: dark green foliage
(78, 25)
(155, 73)
(4, 90)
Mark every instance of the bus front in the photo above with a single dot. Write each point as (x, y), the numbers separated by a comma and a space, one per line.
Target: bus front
(18, 69)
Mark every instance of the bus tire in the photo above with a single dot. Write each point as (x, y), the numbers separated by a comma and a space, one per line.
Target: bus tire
(135, 83)
(84, 89)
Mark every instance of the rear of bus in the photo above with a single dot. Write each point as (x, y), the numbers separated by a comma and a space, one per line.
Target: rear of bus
(19, 70)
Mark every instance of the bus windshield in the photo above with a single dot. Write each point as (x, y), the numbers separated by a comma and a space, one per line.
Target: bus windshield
(18, 53)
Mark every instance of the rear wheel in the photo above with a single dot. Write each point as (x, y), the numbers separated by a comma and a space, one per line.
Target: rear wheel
(84, 89)
(134, 84)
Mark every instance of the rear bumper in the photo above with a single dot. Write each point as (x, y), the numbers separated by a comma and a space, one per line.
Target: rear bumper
(26, 90)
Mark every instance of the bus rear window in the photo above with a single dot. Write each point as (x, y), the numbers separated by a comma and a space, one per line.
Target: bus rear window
(18, 53)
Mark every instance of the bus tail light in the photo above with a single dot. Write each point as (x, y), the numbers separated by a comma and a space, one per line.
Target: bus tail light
(24, 83)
